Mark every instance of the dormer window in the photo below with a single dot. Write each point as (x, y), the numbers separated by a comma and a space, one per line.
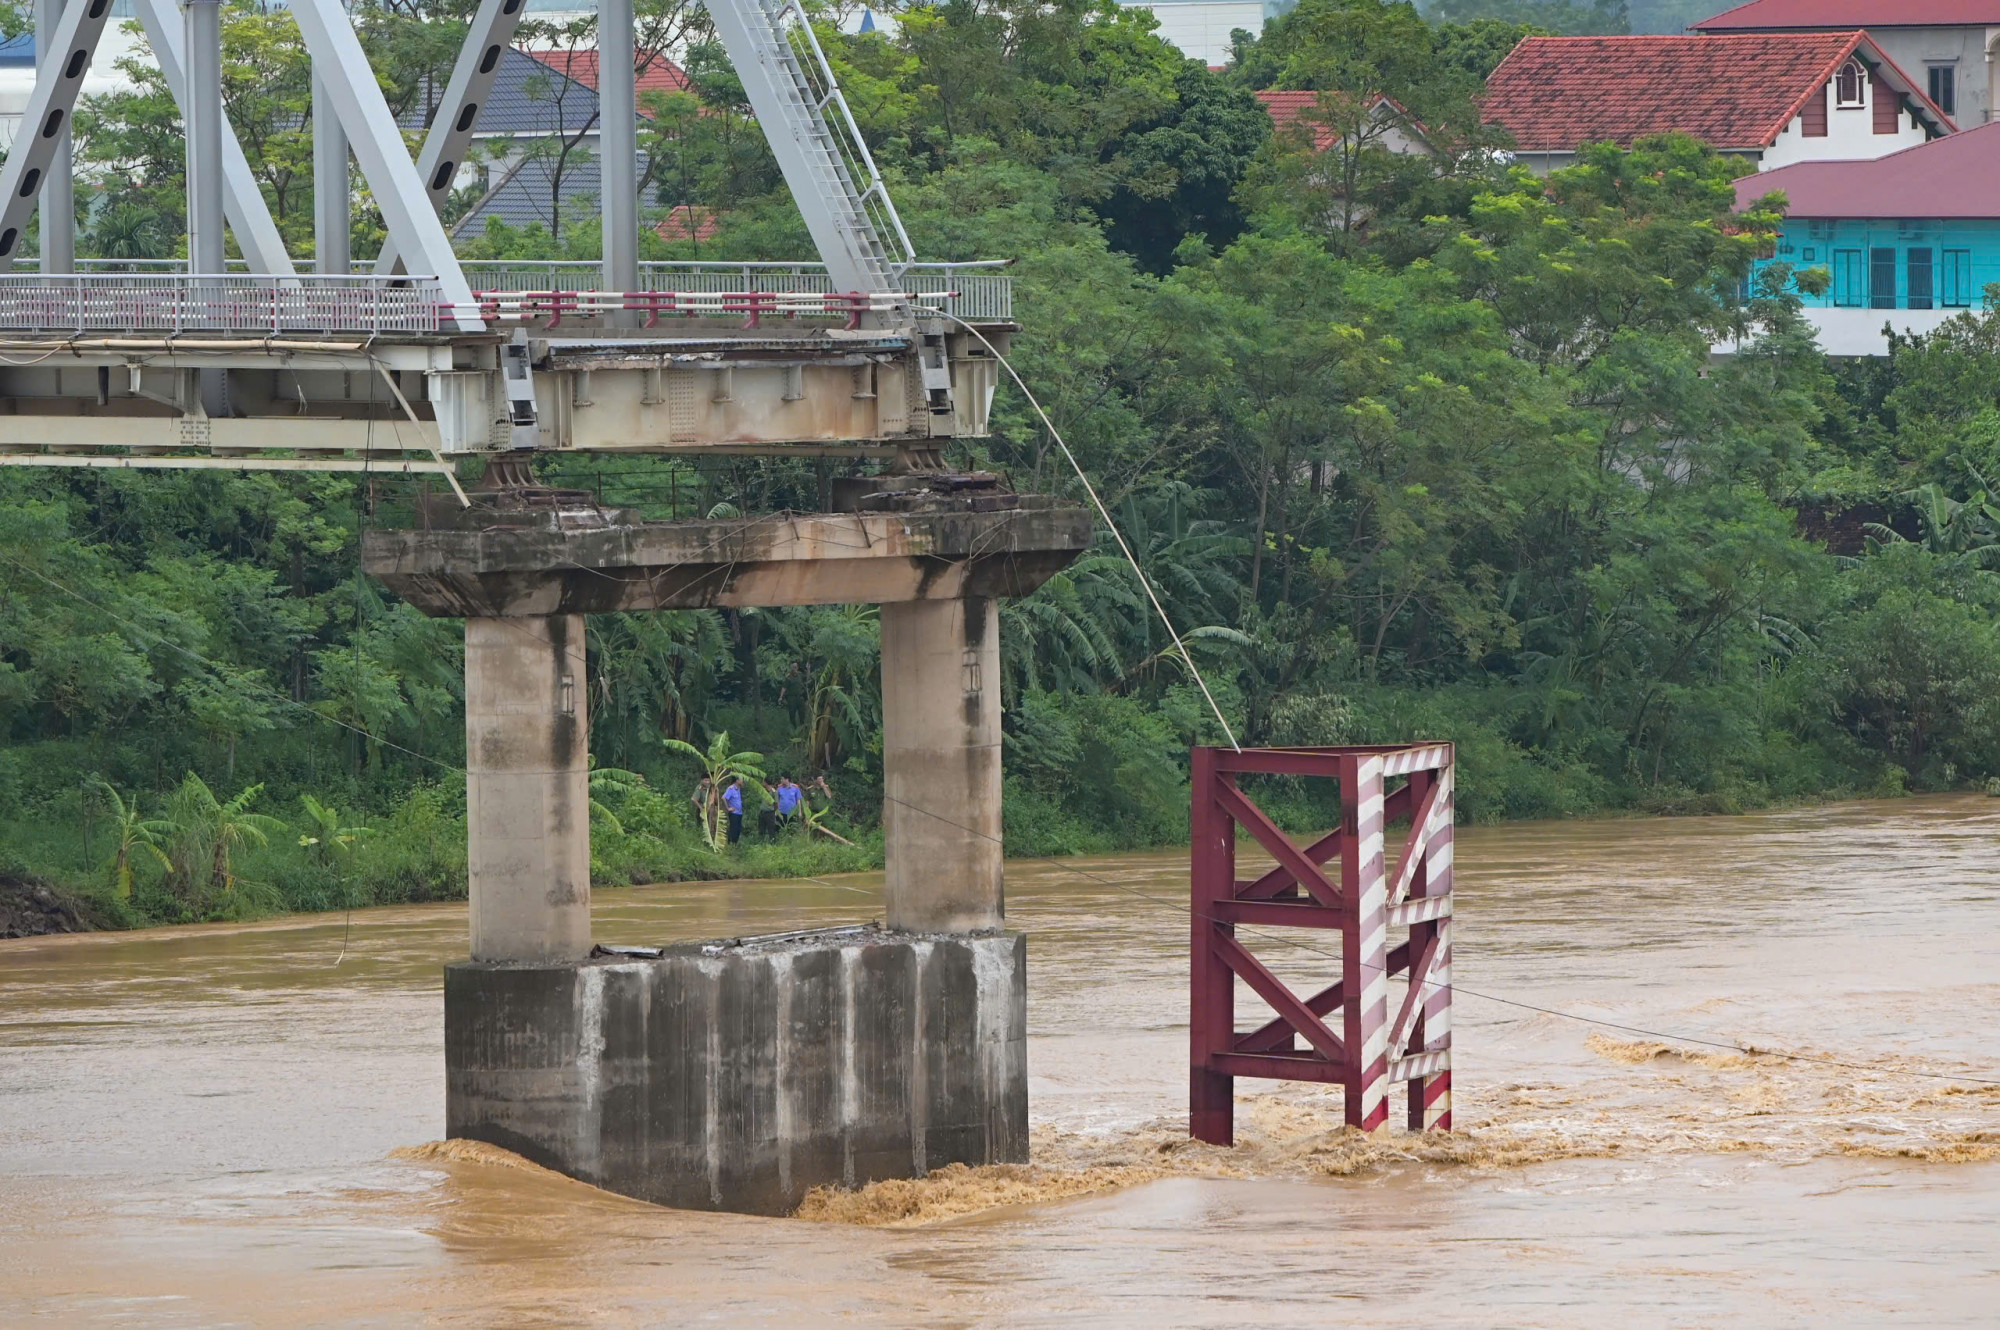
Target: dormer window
(1849, 85)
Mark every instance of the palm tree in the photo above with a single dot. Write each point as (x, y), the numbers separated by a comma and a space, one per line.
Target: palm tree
(133, 837)
(719, 766)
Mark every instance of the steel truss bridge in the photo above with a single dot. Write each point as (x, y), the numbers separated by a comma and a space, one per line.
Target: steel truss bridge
(415, 360)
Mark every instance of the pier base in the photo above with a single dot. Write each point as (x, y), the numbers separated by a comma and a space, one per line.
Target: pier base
(738, 1075)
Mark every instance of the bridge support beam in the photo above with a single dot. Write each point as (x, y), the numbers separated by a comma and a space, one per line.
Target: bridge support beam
(736, 1074)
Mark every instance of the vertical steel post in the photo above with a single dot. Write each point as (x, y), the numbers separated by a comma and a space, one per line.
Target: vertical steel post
(1212, 986)
(204, 136)
(1364, 943)
(1421, 783)
(1430, 1095)
(332, 193)
(618, 144)
(203, 113)
(58, 205)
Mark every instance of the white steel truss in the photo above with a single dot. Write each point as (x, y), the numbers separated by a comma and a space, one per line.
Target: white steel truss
(826, 163)
(47, 115)
(243, 203)
(378, 146)
(479, 61)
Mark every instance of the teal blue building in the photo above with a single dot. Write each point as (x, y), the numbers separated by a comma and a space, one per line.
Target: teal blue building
(1916, 230)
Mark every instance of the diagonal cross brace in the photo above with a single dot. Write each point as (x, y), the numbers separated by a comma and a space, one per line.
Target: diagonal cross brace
(1277, 880)
(450, 136)
(1420, 974)
(1282, 1000)
(378, 146)
(1418, 846)
(243, 203)
(1292, 859)
(50, 105)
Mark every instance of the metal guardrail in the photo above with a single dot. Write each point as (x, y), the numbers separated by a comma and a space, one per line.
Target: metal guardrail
(159, 296)
(172, 303)
(550, 308)
(971, 291)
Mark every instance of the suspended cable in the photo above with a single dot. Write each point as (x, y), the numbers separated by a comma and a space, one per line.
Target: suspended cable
(1116, 534)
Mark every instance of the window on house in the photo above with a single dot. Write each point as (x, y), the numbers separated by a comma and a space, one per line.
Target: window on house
(1944, 87)
(1881, 279)
(1848, 85)
(1849, 289)
(1808, 254)
(1957, 277)
(1917, 276)
(1820, 228)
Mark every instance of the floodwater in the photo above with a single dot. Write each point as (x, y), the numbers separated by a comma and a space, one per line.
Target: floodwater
(197, 1125)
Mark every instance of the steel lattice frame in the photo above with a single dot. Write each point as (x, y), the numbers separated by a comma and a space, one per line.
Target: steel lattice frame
(1341, 882)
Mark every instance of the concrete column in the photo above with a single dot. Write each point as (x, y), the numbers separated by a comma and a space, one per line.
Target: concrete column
(941, 765)
(527, 789)
(58, 203)
(332, 194)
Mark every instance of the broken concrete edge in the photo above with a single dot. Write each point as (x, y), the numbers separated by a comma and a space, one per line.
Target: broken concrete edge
(739, 1074)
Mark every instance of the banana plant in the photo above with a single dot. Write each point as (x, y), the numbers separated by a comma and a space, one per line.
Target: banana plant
(133, 837)
(720, 765)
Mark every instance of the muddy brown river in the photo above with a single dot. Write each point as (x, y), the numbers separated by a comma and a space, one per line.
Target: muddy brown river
(201, 1126)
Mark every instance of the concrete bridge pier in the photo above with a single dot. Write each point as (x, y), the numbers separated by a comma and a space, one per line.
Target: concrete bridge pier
(527, 789)
(941, 766)
(736, 1074)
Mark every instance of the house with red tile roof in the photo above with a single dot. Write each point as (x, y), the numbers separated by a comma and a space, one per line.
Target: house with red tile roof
(1394, 127)
(1885, 265)
(653, 71)
(1772, 98)
(1948, 45)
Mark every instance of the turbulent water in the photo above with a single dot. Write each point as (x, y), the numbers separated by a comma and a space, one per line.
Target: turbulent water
(216, 1125)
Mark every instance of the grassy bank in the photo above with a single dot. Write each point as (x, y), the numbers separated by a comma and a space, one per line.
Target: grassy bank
(86, 868)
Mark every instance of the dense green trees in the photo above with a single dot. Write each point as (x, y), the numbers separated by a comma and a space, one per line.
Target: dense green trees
(1409, 445)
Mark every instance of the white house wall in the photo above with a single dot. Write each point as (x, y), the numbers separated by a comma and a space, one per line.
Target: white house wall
(1201, 28)
(1850, 133)
(1915, 50)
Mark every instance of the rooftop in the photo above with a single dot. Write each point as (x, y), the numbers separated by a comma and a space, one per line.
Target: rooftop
(1957, 176)
(1822, 15)
(1288, 108)
(655, 72)
(1733, 91)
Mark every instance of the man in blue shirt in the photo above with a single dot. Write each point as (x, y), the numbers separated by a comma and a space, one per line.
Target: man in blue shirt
(732, 799)
(790, 796)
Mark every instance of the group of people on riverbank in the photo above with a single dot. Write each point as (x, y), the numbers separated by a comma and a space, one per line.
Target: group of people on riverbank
(786, 806)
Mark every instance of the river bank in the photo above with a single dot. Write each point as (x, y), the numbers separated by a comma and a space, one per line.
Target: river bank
(422, 858)
(211, 1123)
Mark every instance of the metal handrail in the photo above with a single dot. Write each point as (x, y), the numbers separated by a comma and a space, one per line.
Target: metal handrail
(173, 303)
(161, 295)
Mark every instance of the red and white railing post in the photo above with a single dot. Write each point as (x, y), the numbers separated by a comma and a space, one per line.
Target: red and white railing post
(1376, 1046)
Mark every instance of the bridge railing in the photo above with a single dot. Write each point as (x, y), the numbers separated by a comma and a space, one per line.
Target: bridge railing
(172, 303)
(159, 295)
(977, 292)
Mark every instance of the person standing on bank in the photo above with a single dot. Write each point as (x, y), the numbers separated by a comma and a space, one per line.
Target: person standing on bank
(790, 796)
(732, 799)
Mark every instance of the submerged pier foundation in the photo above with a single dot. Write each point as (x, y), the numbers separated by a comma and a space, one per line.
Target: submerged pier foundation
(736, 1074)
